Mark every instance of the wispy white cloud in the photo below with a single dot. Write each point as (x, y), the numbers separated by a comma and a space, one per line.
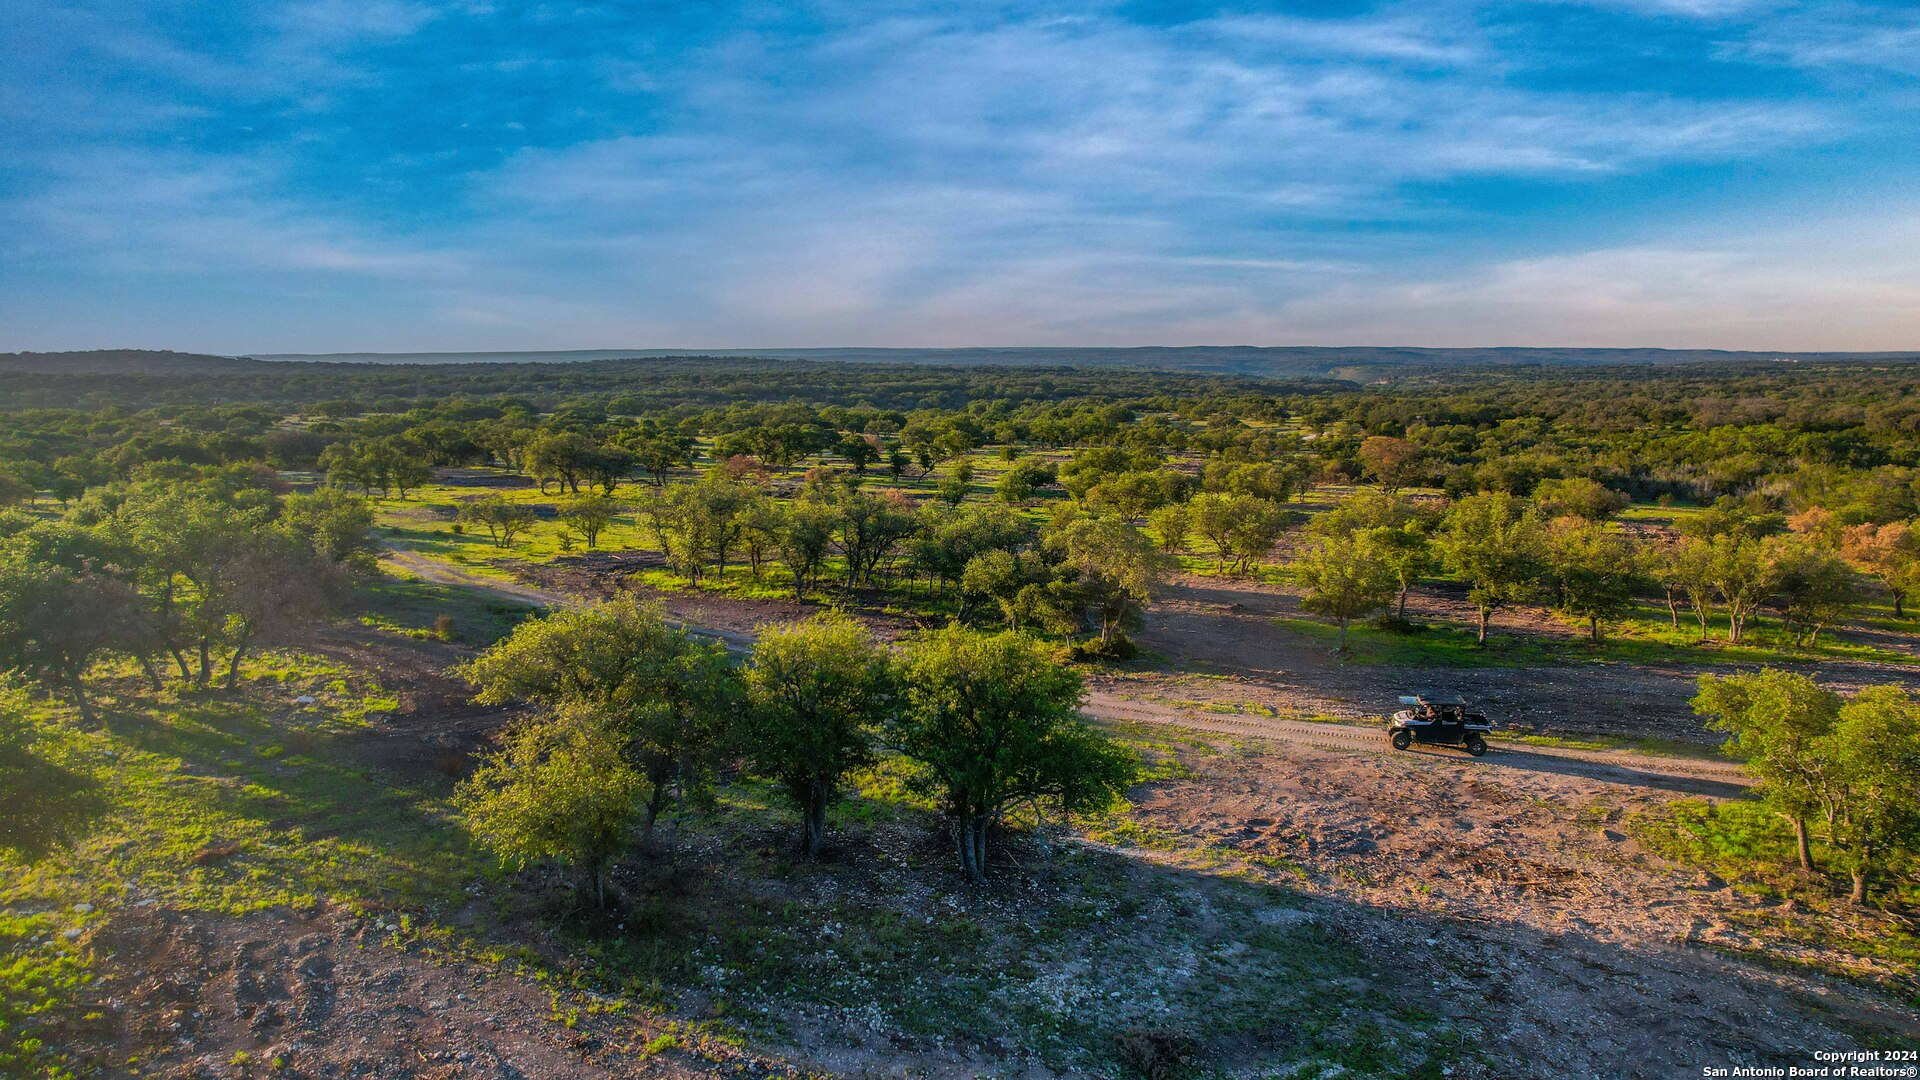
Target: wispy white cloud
(921, 174)
(173, 213)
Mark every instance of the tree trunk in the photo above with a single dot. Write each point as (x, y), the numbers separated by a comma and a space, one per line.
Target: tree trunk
(1593, 628)
(1899, 604)
(1861, 866)
(1401, 614)
(1802, 844)
(180, 658)
(1343, 635)
(1481, 637)
(655, 803)
(971, 834)
(206, 662)
(1673, 610)
(233, 666)
(153, 673)
(815, 822)
(79, 691)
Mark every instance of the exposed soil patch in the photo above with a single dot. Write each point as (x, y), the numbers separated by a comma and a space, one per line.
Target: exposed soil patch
(438, 726)
(321, 993)
(1226, 629)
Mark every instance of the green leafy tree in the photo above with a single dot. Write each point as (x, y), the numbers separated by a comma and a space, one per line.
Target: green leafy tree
(1813, 588)
(1688, 568)
(562, 458)
(1737, 567)
(996, 725)
(561, 790)
(668, 696)
(57, 621)
(871, 527)
(1579, 497)
(338, 525)
(954, 489)
(1393, 463)
(1777, 720)
(589, 515)
(1172, 525)
(1494, 544)
(804, 541)
(1399, 530)
(1872, 781)
(817, 695)
(1346, 577)
(503, 518)
(1117, 569)
(1242, 528)
(1595, 571)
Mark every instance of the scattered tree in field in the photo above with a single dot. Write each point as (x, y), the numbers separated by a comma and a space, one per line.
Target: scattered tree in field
(1494, 544)
(1736, 566)
(946, 541)
(1017, 484)
(1688, 567)
(861, 451)
(658, 453)
(1118, 569)
(1003, 576)
(817, 696)
(1346, 577)
(1891, 553)
(667, 696)
(561, 790)
(391, 465)
(1813, 588)
(1172, 525)
(954, 489)
(1578, 497)
(870, 529)
(1268, 480)
(1392, 463)
(269, 583)
(804, 541)
(1872, 781)
(1138, 493)
(57, 620)
(996, 725)
(503, 518)
(1777, 720)
(1242, 528)
(589, 515)
(760, 523)
(1398, 531)
(562, 458)
(1594, 571)
(1853, 767)
(338, 526)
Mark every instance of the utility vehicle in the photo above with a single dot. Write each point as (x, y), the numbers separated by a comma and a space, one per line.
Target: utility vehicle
(1434, 718)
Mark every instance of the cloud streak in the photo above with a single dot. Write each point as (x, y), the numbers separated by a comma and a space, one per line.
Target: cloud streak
(457, 176)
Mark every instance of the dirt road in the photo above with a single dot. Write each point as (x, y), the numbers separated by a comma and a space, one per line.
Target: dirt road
(713, 616)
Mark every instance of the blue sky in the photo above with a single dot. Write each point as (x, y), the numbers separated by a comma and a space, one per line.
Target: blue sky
(400, 175)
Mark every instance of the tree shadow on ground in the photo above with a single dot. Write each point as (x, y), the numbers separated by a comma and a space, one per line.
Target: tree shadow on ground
(43, 805)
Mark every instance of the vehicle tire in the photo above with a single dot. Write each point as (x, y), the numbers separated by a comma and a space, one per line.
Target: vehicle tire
(1402, 740)
(1476, 745)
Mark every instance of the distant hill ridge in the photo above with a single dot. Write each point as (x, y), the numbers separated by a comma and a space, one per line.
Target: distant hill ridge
(1243, 360)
